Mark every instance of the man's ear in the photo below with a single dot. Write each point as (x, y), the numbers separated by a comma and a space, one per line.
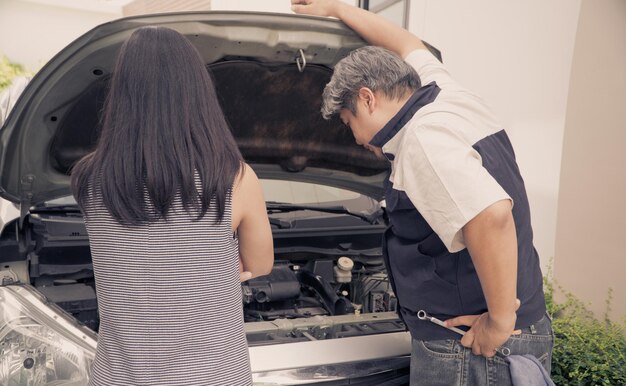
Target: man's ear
(367, 97)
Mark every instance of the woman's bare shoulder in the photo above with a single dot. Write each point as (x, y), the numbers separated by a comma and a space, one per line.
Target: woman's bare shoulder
(245, 179)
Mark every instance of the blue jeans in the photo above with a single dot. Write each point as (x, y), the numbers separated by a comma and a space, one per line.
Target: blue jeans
(447, 362)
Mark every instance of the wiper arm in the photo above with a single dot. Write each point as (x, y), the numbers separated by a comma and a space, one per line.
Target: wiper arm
(276, 207)
(56, 208)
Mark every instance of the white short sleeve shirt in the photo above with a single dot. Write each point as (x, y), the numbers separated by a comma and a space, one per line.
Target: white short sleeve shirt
(435, 162)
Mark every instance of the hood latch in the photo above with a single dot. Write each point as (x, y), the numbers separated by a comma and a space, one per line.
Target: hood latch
(301, 61)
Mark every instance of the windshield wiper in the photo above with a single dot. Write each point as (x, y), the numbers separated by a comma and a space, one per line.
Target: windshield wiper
(56, 208)
(277, 207)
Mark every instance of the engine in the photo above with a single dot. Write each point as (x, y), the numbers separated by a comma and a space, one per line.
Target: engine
(326, 286)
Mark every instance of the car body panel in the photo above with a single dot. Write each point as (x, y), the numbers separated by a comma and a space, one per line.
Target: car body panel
(228, 40)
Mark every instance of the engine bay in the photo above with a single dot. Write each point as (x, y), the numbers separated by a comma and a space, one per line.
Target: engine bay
(313, 300)
(325, 283)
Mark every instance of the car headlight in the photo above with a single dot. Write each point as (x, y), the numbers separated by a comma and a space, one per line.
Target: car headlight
(39, 343)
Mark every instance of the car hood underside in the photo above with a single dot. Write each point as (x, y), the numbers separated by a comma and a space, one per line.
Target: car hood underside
(270, 96)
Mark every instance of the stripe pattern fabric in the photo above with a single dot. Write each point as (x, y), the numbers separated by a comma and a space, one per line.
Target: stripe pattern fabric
(169, 300)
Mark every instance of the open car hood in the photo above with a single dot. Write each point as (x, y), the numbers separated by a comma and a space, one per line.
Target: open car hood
(271, 102)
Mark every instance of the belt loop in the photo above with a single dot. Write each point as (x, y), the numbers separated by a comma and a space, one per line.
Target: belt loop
(533, 330)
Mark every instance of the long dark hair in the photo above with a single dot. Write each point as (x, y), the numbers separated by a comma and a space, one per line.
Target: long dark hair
(162, 124)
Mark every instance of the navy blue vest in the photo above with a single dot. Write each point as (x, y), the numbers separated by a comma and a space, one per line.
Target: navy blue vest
(423, 274)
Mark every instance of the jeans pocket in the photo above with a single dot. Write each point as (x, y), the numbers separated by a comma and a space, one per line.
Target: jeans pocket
(441, 348)
(436, 363)
(540, 346)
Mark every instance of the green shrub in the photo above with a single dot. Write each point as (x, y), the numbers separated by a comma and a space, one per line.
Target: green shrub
(9, 70)
(587, 351)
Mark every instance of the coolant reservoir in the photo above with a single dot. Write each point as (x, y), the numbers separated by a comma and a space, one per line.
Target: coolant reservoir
(343, 270)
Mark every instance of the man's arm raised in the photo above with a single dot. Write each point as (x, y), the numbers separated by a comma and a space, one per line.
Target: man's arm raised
(375, 29)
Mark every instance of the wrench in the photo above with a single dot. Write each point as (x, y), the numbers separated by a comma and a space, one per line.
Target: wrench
(423, 315)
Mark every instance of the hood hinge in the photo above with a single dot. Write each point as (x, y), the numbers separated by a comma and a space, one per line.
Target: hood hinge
(26, 198)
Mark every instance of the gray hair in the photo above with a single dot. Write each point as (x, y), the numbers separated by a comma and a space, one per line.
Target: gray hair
(373, 67)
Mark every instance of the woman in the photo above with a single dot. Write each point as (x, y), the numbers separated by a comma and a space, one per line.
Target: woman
(163, 194)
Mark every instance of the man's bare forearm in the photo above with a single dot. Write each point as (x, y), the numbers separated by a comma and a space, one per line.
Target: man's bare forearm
(373, 28)
(492, 242)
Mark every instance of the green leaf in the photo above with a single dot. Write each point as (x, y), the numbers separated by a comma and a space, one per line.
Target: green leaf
(9, 70)
(586, 351)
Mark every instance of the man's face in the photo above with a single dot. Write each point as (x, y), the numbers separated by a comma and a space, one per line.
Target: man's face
(363, 128)
(358, 125)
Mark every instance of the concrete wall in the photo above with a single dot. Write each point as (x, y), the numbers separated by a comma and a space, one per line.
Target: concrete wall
(31, 33)
(141, 7)
(517, 56)
(591, 227)
(281, 6)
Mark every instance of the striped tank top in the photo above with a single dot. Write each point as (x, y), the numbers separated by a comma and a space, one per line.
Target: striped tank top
(169, 300)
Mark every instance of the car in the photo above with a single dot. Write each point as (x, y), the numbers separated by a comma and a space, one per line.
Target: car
(326, 314)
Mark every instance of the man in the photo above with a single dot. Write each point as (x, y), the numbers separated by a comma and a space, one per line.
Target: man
(459, 245)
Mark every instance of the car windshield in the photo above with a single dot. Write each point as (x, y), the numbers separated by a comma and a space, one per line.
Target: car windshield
(291, 192)
(295, 192)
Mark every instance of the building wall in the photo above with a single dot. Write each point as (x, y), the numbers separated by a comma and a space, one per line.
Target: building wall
(141, 7)
(33, 32)
(283, 6)
(591, 226)
(517, 56)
